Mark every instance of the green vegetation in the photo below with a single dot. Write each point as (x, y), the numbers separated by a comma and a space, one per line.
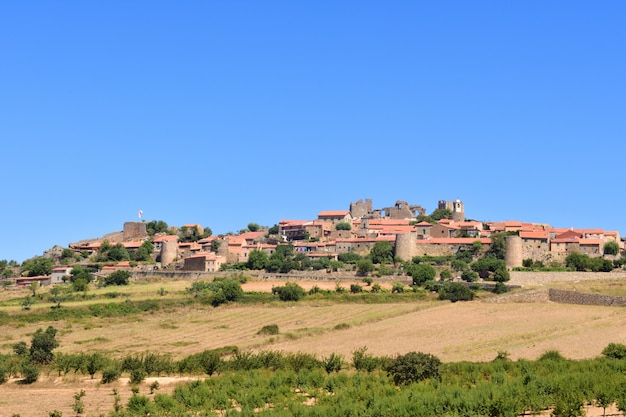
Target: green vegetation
(415, 383)
(343, 226)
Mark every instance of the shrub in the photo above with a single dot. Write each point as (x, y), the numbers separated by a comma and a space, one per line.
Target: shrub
(270, 329)
(615, 351)
(289, 292)
(364, 266)
(110, 375)
(332, 363)
(414, 367)
(501, 275)
(364, 362)
(397, 288)
(500, 288)
(455, 291)
(469, 276)
(30, 373)
(551, 355)
(117, 278)
(421, 273)
(368, 281)
(355, 288)
(376, 288)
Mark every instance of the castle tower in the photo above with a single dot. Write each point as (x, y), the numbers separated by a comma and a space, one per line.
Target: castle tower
(514, 253)
(406, 245)
(135, 231)
(456, 207)
(458, 211)
(169, 251)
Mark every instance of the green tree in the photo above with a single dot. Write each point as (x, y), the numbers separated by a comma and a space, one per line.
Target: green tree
(118, 253)
(364, 267)
(497, 249)
(439, 214)
(501, 275)
(253, 227)
(210, 361)
(34, 287)
(615, 351)
(382, 252)
(257, 259)
(42, 345)
(289, 292)
(611, 248)
(144, 252)
(343, 226)
(349, 257)
(156, 226)
(38, 266)
(469, 276)
(455, 291)
(414, 367)
(117, 278)
(420, 273)
(56, 297)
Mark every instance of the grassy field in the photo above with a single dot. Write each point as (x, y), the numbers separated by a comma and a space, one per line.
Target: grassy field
(471, 331)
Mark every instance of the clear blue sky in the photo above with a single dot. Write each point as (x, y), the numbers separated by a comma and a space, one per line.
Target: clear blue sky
(229, 112)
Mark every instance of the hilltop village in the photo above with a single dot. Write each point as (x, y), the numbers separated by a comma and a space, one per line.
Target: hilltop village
(335, 232)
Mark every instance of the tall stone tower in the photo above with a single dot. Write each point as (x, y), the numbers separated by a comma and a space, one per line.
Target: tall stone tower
(135, 231)
(361, 208)
(169, 251)
(514, 251)
(456, 207)
(406, 245)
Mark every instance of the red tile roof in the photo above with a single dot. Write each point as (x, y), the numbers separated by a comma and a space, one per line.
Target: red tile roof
(537, 234)
(454, 241)
(333, 213)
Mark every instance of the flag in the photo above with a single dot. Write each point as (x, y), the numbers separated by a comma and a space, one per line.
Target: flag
(140, 213)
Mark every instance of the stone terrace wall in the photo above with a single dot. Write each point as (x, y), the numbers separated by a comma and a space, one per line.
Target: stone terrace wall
(574, 297)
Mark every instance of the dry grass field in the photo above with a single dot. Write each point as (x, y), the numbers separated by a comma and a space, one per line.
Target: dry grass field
(471, 331)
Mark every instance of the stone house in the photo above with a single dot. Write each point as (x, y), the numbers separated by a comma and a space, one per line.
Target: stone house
(203, 262)
(335, 216)
(59, 272)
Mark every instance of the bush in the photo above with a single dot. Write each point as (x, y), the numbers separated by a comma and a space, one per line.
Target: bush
(500, 288)
(332, 363)
(117, 278)
(270, 329)
(397, 288)
(455, 291)
(289, 292)
(364, 362)
(355, 288)
(30, 373)
(611, 248)
(364, 266)
(615, 351)
(469, 276)
(421, 273)
(414, 367)
(110, 375)
(551, 355)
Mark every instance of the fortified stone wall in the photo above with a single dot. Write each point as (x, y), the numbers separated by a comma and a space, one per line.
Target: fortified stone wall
(361, 208)
(537, 252)
(135, 231)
